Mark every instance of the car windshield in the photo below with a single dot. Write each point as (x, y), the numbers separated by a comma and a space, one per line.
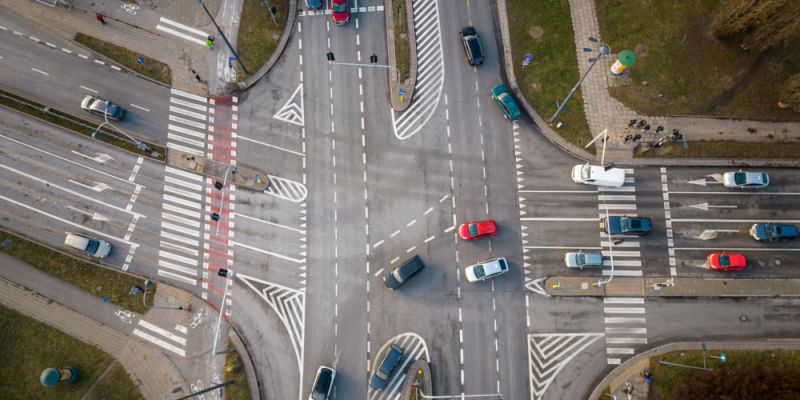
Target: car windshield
(586, 172)
(472, 229)
(92, 246)
(739, 178)
(581, 258)
(724, 261)
(479, 272)
(321, 388)
(339, 7)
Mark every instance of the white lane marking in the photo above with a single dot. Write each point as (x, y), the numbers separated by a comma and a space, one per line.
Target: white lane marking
(624, 320)
(160, 343)
(559, 191)
(89, 89)
(430, 238)
(565, 248)
(742, 193)
(378, 272)
(622, 272)
(181, 35)
(184, 121)
(140, 107)
(40, 71)
(772, 249)
(623, 300)
(558, 219)
(739, 221)
(626, 340)
(269, 253)
(188, 185)
(623, 310)
(301, 231)
(163, 332)
(271, 145)
(377, 244)
(178, 200)
(181, 278)
(394, 260)
(639, 331)
(619, 350)
(188, 95)
(179, 210)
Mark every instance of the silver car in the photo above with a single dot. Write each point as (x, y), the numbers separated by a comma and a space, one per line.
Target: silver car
(745, 180)
(581, 260)
(486, 270)
(98, 106)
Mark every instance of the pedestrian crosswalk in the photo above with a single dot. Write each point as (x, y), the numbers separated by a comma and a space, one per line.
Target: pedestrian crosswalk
(168, 340)
(430, 71)
(625, 326)
(181, 211)
(362, 9)
(182, 31)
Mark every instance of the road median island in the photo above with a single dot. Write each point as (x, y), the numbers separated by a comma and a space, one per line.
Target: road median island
(77, 125)
(401, 53)
(103, 282)
(29, 346)
(149, 67)
(667, 286)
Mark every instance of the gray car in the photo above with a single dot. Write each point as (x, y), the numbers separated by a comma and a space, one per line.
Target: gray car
(581, 260)
(745, 180)
(98, 106)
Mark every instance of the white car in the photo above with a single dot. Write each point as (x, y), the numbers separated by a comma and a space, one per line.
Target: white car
(745, 180)
(486, 270)
(88, 245)
(596, 175)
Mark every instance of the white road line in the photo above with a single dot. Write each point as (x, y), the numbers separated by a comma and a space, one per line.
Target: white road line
(188, 185)
(639, 331)
(616, 198)
(617, 206)
(139, 107)
(623, 263)
(40, 71)
(623, 310)
(184, 174)
(622, 272)
(739, 221)
(160, 343)
(181, 201)
(378, 272)
(181, 34)
(178, 110)
(181, 239)
(619, 253)
(188, 95)
(560, 191)
(273, 146)
(624, 244)
(176, 209)
(182, 192)
(742, 193)
(394, 260)
(163, 332)
(617, 189)
(430, 238)
(182, 220)
(89, 89)
(190, 122)
(186, 250)
(269, 253)
(377, 244)
(618, 350)
(270, 223)
(395, 233)
(175, 257)
(623, 300)
(177, 277)
(771, 249)
(189, 104)
(625, 340)
(624, 320)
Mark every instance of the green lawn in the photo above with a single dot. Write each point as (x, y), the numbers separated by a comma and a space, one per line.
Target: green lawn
(543, 28)
(99, 281)
(681, 69)
(401, 47)
(234, 369)
(29, 346)
(743, 365)
(116, 385)
(149, 67)
(726, 149)
(258, 35)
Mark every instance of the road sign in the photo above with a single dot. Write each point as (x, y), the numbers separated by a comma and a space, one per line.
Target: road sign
(527, 59)
(402, 92)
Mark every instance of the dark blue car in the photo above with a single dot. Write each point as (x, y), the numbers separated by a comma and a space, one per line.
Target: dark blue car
(773, 232)
(617, 225)
(380, 377)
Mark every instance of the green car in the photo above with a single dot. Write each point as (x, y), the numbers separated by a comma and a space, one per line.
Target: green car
(506, 102)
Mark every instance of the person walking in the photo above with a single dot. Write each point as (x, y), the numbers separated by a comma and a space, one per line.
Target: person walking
(210, 41)
(100, 18)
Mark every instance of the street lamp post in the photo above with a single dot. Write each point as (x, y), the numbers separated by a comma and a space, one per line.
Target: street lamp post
(233, 170)
(397, 71)
(230, 47)
(96, 134)
(603, 49)
(611, 244)
(228, 275)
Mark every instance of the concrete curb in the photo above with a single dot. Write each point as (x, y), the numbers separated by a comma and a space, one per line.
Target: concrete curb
(628, 367)
(411, 82)
(425, 370)
(291, 18)
(585, 156)
(249, 367)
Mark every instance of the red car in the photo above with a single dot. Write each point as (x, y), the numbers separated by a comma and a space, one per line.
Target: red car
(726, 261)
(475, 230)
(341, 12)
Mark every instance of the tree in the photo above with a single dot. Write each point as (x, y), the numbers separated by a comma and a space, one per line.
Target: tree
(757, 24)
(790, 95)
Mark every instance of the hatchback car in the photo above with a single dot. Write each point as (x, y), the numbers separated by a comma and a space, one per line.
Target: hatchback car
(581, 260)
(486, 270)
(323, 384)
(726, 261)
(98, 106)
(383, 371)
(617, 225)
(88, 245)
(400, 275)
(596, 175)
(340, 12)
(745, 180)
(773, 232)
(476, 230)
(472, 45)
(507, 103)
(313, 4)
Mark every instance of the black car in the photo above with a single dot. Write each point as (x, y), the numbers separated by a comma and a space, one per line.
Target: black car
(773, 232)
(617, 225)
(383, 371)
(400, 275)
(323, 384)
(472, 45)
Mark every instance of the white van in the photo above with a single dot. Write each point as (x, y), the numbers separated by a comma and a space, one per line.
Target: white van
(596, 175)
(88, 245)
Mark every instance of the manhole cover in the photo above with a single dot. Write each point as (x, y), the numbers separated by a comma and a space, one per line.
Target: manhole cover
(743, 318)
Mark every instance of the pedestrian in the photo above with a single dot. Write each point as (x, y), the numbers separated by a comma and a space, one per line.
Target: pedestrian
(210, 41)
(197, 77)
(100, 18)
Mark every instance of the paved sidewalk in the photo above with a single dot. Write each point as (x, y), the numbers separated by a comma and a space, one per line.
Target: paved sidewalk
(134, 27)
(149, 369)
(631, 370)
(666, 286)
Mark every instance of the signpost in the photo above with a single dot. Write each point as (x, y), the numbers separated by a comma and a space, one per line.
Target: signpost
(527, 60)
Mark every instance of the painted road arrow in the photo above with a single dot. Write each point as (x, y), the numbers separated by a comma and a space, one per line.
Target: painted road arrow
(96, 216)
(713, 233)
(706, 206)
(716, 179)
(101, 157)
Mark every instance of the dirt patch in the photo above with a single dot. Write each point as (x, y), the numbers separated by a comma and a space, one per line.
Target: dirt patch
(641, 51)
(536, 32)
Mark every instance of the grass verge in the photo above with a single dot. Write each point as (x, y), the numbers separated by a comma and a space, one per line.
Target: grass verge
(234, 369)
(726, 149)
(258, 34)
(99, 281)
(29, 346)
(116, 385)
(543, 28)
(402, 53)
(73, 124)
(742, 365)
(681, 69)
(149, 67)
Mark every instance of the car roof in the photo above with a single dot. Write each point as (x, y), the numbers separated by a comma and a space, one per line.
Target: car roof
(492, 266)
